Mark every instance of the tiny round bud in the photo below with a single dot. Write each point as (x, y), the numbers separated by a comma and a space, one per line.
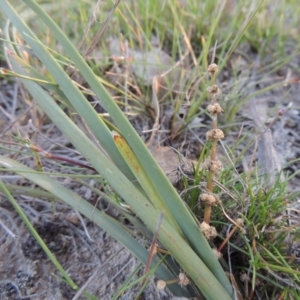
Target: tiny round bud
(214, 90)
(204, 227)
(208, 231)
(212, 165)
(161, 284)
(209, 199)
(212, 233)
(215, 166)
(183, 280)
(213, 69)
(214, 109)
(215, 134)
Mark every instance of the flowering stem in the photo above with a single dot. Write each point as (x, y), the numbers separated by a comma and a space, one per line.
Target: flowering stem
(214, 109)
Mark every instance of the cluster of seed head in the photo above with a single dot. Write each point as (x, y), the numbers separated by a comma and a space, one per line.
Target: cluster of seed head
(213, 69)
(214, 92)
(214, 109)
(212, 165)
(208, 231)
(161, 284)
(214, 134)
(182, 280)
(209, 199)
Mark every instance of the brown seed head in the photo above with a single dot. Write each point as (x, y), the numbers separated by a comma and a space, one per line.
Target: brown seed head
(215, 134)
(183, 280)
(213, 69)
(214, 91)
(211, 165)
(214, 109)
(209, 199)
(208, 231)
(215, 166)
(161, 284)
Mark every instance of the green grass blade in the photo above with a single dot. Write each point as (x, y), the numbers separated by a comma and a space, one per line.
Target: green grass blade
(239, 35)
